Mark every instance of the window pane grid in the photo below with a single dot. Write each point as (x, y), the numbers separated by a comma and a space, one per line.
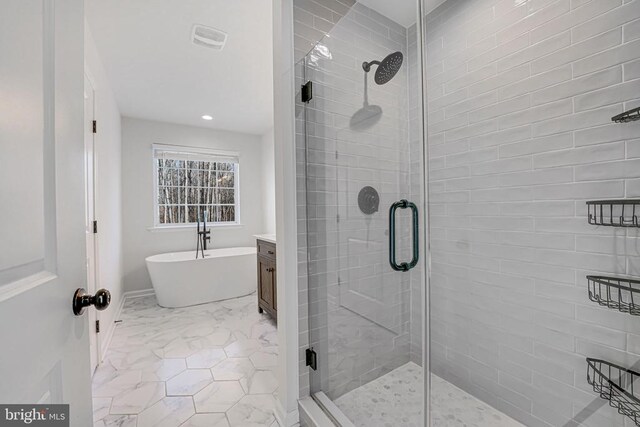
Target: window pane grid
(187, 189)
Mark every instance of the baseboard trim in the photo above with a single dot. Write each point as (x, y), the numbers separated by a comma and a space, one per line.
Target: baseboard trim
(138, 294)
(284, 419)
(108, 336)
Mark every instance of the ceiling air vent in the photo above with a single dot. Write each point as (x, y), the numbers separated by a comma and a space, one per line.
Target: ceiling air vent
(208, 37)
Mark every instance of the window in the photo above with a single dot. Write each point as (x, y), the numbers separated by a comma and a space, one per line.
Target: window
(193, 184)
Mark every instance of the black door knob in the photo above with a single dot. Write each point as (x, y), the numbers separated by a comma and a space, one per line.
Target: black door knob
(82, 300)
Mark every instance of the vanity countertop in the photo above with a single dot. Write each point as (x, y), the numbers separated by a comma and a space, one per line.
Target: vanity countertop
(266, 237)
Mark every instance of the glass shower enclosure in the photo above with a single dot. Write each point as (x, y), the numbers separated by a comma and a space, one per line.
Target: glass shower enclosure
(361, 147)
(469, 199)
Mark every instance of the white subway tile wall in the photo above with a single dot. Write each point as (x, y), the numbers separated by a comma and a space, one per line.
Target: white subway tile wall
(520, 97)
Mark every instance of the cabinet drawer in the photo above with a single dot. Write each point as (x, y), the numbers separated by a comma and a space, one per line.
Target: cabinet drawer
(266, 249)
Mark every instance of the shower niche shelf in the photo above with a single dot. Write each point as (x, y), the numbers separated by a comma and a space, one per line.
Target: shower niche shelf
(627, 116)
(616, 293)
(614, 213)
(617, 385)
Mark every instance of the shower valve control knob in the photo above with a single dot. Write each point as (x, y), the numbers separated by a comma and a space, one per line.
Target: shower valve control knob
(82, 300)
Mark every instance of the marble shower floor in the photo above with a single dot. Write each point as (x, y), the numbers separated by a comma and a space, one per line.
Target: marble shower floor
(395, 400)
(211, 365)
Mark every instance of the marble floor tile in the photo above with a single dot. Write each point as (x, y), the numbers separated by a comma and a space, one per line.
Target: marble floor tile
(265, 358)
(218, 396)
(177, 348)
(189, 382)
(396, 399)
(117, 421)
(137, 399)
(119, 382)
(164, 365)
(165, 369)
(101, 407)
(252, 411)
(243, 348)
(206, 358)
(260, 382)
(137, 358)
(207, 420)
(232, 369)
(168, 412)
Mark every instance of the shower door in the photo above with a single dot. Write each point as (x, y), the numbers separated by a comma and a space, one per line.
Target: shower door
(361, 138)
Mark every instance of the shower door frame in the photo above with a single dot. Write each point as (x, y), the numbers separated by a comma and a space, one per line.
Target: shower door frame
(320, 398)
(426, 286)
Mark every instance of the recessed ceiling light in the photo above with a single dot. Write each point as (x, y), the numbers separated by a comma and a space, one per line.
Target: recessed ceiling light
(207, 117)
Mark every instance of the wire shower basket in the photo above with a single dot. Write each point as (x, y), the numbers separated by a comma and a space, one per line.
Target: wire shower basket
(616, 293)
(614, 213)
(617, 385)
(627, 116)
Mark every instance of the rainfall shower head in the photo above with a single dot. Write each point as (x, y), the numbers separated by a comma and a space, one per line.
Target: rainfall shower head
(387, 68)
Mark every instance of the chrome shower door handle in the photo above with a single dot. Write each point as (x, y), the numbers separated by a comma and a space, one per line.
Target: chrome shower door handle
(403, 266)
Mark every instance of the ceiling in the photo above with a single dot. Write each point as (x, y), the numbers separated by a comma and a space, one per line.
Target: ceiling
(158, 74)
(401, 11)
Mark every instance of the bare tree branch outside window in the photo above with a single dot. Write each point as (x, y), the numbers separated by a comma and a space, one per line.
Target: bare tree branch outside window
(190, 189)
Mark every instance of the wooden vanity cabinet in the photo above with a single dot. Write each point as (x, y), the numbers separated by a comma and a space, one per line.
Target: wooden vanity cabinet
(267, 283)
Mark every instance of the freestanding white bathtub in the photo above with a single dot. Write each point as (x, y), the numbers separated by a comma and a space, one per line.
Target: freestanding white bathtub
(180, 280)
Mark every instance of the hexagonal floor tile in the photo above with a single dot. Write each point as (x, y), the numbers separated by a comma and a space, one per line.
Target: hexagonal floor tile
(136, 358)
(219, 338)
(265, 332)
(189, 382)
(232, 369)
(261, 382)
(117, 421)
(178, 348)
(118, 382)
(252, 411)
(101, 406)
(169, 412)
(207, 420)
(242, 348)
(267, 357)
(206, 358)
(218, 396)
(164, 370)
(137, 399)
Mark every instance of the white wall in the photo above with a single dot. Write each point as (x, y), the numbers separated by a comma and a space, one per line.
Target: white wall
(139, 239)
(108, 181)
(268, 183)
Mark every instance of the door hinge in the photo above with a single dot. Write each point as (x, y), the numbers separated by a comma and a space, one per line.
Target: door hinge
(95, 227)
(97, 326)
(312, 359)
(307, 91)
(95, 126)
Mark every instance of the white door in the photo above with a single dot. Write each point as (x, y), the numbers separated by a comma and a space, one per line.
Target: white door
(44, 350)
(90, 217)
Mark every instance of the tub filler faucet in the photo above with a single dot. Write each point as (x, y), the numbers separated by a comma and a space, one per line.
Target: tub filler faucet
(204, 236)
